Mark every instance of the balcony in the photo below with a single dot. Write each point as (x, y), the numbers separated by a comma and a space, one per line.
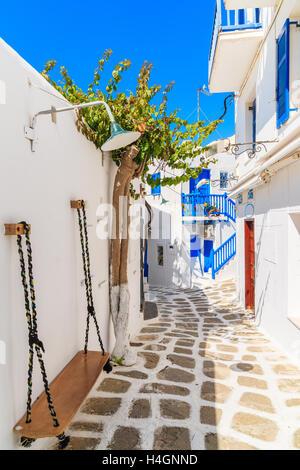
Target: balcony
(235, 39)
(212, 207)
(236, 4)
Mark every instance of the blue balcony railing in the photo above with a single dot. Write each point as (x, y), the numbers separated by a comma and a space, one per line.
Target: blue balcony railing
(231, 20)
(206, 206)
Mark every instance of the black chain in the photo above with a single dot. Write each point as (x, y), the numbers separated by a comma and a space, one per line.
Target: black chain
(87, 276)
(31, 316)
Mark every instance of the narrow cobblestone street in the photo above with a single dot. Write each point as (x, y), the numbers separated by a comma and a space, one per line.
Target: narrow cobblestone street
(206, 378)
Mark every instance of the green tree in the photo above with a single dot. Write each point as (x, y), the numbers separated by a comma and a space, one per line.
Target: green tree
(166, 141)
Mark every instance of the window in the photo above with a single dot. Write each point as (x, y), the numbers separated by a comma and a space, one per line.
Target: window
(156, 191)
(160, 255)
(223, 179)
(250, 194)
(283, 75)
(254, 121)
(252, 109)
(257, 15)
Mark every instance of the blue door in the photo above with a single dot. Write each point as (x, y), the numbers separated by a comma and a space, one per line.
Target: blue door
(146, 266)
(208, 247)
(204, 190)
(195, 246)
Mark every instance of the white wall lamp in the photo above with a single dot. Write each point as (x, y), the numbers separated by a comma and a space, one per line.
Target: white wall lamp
(118, 139)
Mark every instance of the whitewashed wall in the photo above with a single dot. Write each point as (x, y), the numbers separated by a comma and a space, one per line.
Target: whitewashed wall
(37, 187)
(262, 86)
(167, 231)
(277, 256)
(277, 203)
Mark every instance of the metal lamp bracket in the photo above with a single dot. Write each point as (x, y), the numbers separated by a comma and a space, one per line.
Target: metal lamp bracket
(252, 148)
(31, 134)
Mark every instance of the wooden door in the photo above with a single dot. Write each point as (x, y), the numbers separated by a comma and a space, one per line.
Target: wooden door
(249, 265)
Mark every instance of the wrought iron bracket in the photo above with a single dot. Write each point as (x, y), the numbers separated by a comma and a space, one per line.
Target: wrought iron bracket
(256, 147)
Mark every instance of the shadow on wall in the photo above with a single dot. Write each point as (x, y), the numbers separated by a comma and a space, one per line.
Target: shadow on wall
(181, 264)
(260, 306)
(224, 224)
(259, 243)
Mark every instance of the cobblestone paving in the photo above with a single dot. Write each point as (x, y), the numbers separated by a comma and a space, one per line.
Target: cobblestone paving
(206, 378)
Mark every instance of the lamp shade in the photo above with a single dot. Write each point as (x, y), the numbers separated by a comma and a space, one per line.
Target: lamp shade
(119, 138)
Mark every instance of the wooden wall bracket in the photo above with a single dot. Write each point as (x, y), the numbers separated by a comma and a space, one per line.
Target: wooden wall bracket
(76, 204)
(15, 229)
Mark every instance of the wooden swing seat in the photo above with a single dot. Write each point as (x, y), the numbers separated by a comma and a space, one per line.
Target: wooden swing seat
(68, 390)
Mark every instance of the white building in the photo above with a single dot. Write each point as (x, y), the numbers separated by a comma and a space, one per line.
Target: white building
(186, 236)
(37, 187)
(255, 52)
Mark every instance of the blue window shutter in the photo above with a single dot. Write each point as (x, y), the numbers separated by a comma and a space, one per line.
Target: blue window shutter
(157, 190)
(283, 75)
(257, 15)
(241, 16)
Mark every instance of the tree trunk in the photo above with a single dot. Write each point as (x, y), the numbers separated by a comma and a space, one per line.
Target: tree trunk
(120, 296)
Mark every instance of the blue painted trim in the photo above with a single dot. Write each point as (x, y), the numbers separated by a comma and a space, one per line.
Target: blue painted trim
(237, 27)
(280, 62)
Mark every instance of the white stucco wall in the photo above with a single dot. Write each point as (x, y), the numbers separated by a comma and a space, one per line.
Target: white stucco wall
(37, 187)
(277, 248)
(261, 85)
(277, 203)
(167, 231)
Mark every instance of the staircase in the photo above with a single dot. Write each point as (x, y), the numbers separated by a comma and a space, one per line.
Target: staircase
(197, 205)
(222, 255)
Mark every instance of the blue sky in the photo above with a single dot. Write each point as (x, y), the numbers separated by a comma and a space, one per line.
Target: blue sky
(174, 35)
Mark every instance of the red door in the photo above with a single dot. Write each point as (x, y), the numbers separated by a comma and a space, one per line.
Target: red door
(249, 264)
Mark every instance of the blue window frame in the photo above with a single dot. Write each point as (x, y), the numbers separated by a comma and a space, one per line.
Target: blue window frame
(283, 75)
(157, 190)
(223, 179)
